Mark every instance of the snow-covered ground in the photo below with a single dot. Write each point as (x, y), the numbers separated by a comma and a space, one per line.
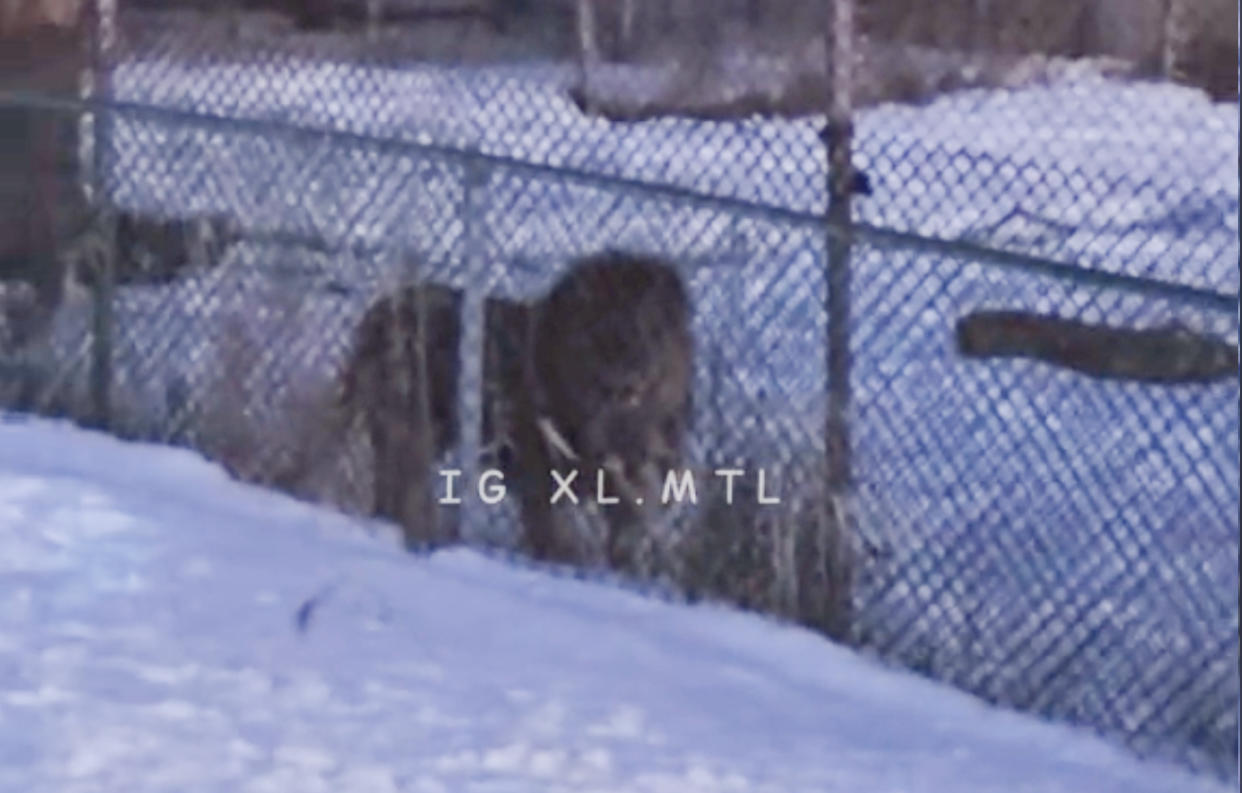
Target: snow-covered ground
(165, 628)
(1125, 176)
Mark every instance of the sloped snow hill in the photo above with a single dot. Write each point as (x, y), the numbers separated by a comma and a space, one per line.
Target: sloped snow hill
(165, 628)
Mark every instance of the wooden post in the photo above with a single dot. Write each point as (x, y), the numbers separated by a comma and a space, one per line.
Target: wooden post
(419, 513)
(96, 84)
(375, 13)
(981, 24)
(1171, 33)
(627, 27)
(470, 386)
(588, 48)
(840, 183)
(103, 268)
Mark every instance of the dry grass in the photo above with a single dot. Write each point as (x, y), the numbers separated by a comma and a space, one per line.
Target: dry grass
(294, 438)
(796, 559)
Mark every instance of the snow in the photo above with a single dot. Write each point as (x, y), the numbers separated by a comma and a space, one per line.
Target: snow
(1132, 177)
(1051, 540)
(165, 628)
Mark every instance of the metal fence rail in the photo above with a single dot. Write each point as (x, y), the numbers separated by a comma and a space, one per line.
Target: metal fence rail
(1047, 539)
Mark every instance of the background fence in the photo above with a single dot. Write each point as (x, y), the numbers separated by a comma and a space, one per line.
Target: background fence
(1048, 540)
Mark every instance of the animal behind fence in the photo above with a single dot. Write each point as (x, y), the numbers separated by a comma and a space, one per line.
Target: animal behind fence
(612, 359)
(591, 381)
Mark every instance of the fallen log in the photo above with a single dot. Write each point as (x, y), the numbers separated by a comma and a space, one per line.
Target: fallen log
(1168, 355)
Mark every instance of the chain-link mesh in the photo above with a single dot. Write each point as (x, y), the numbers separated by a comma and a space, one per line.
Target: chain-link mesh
(1019, 522)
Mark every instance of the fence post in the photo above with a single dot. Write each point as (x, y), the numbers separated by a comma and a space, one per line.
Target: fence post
(470, 385)
(98, 85)
(374, 13)
(588, 47)
(627, 26)
(1171, 33)
(836, 431)
(418, 506)
(102, 293)
(95, 83)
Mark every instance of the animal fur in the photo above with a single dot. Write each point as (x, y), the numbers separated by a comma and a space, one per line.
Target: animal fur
(406, 392)
(612, 355)
(595, 376)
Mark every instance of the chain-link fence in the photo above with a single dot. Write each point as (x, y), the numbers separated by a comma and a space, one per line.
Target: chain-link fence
(1039, 498)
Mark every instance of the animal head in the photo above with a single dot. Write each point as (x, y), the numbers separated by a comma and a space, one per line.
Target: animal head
(613, 361)
(637, 436)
